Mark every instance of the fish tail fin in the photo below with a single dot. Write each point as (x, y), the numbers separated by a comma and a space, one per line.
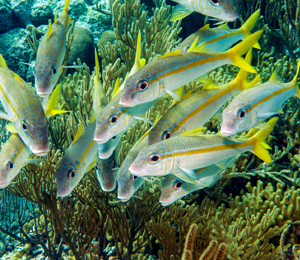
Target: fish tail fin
(237, 51)
(296, 77)
(66, 5)
(249, 25)
(2, 62)
(179, 12)
(260, 147)
(98, 76)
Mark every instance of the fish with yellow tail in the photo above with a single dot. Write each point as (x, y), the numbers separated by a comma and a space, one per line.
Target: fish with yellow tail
(106, 174)
(181, 155)
(170, 72)
(51, 53)
(23, 108)
(80, 157)
(195, 110)
(251, 107)
(223, 10)
(220, 38)
(114, 119)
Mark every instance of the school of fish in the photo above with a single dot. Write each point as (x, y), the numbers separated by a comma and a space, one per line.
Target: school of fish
(175, 147)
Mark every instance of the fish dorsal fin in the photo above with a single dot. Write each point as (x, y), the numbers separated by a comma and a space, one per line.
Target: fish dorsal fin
(11, 128)
(187, 95)
(78, 133)
(92, 164)
(205, 27)
(138, 52)
(17, 77)
(49, 30)
(202, 48)
(209, 84)
(157, 118)
(52, 102)
(275, 77)
(170, 54)
(179, 92)
(116, 88)
(224, 26)
(194, 132)
(193, 45)
(254, 82)
(2, 62)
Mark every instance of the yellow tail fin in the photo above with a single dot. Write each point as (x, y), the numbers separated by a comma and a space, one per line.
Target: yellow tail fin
(2, 62)
(296, 77)
(66, 5)
(249, 25)
(235, 53)
(260, 147)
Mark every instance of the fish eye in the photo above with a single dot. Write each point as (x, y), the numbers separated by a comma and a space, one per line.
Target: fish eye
(241, 113)
(215, 2)
(154, 158)
(53, 70)
(113, 119)
(24, 126)
(142, 85)
(113, 138)
(166, 135)
(71, 173)
(9, 165)
(178, 184)
(134, 177)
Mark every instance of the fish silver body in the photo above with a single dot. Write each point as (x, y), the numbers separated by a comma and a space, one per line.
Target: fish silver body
(77, 160)
(106, 173)
(12, 158)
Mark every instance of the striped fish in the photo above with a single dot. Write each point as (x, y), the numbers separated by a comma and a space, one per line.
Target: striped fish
(182, 154)
(80, 157)
(51, 53)
(23, 108)
(106, 173)
(173, 188)
(196, 110)
(254, 105)
(220, 38)
(174, 70)
(128, 184)
(223, 10)
(13, 157)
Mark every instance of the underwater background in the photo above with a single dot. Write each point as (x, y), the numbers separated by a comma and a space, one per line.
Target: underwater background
(251, 212)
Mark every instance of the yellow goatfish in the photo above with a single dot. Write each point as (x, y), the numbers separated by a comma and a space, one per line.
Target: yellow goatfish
(254, 105)
(196, 110)
(13, 157)
(80, 157)
(181, 155)
(23, 108)
(51, 53)
(106, 173)
(174, 70)
(220, 38)
(223, 10)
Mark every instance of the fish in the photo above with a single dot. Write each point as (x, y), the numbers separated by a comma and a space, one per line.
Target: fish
(170, 72)
(13, 157)
(128, 184)
(220, 38)
(181, 155)
(106, 174)
(51, 53)
(24, 109)
(223, 10)
(105, 150)
(174, 188)
(251, 107)
(114, 119)
(195, 110)
(80, 157)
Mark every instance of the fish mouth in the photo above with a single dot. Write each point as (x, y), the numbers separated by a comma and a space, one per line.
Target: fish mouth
(164, 203)
(126, 103)
(63, 193)
(124, 198)
(40, 152)
(134, 172)
(3, 184)
(42, 94)
(226, 133)
(100, 141)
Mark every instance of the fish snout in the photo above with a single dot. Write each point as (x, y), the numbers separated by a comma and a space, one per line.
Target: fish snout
(226, 132)
(3, 183)
(126, 101)
(63, 192)
(42, 149)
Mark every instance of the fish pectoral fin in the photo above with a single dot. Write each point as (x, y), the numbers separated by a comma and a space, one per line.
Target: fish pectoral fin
(11, 128)
(188, 173)
(143, 119)
(262, 126)
(6, 117)
(227, 163)
(180, 12)
(172, 94)
(92, 164)
(73, 66)
(28, 161)
(209, 181)
(185, 177)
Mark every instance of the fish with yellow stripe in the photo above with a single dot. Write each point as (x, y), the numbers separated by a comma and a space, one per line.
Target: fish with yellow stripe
(181, 155)
(80, 157)
(251, 107)
(13, 157)
(195, 110)
(223, 10)
(170, 72)
(51, 54)
(106, 173)
(220, 38)
(23, 108)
